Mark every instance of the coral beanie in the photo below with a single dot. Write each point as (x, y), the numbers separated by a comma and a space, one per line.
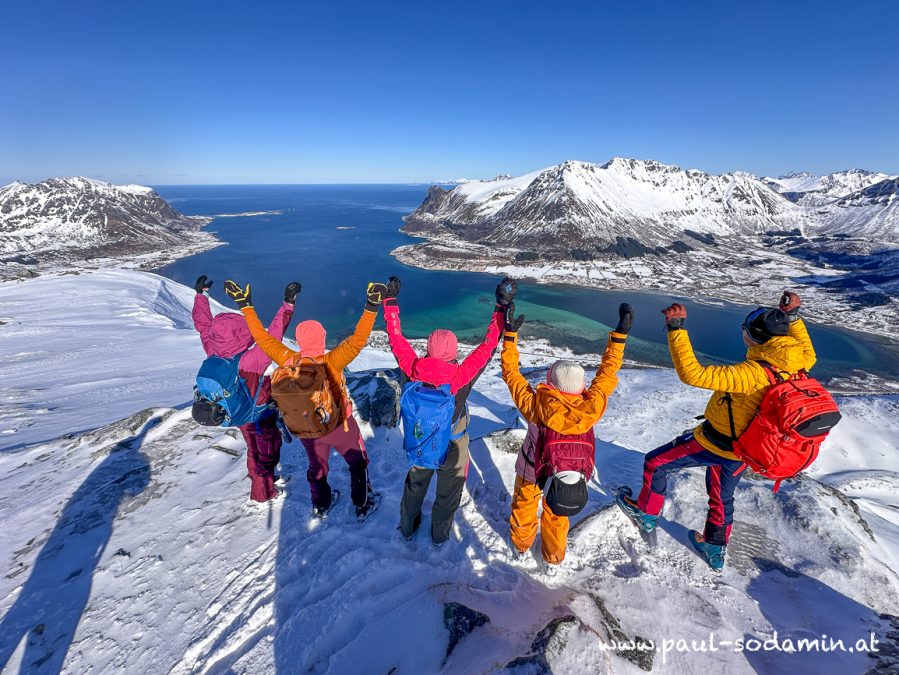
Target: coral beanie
(311, 337)
(566, 376)
(443, 345)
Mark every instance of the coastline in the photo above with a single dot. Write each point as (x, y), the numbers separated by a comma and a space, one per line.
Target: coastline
(60, 261)
(654, 276)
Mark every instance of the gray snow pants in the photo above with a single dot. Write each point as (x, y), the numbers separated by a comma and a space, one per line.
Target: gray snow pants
(450, 481)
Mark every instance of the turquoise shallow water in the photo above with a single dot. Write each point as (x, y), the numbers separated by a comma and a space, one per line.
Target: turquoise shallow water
(334, 239)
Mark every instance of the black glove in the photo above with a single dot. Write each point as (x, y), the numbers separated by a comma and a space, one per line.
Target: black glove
(393, 289)
(675, 315)
(375, 295)
(291, 291)
(239, 295)
(625, 318)
(203, 284)
(505, 293)
(513, 323)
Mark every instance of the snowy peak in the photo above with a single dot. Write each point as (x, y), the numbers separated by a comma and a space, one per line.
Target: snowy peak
(882, 193)
(578, 204)
(809, 189)
(89, 215)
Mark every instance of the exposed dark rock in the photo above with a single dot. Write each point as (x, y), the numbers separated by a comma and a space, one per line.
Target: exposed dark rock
(507, 440)
(628, 247)
(377, 395)
(700, 236)
(549, 642)
(873, 299)
(642, 652)
(460, 621)
(679, 246)
(849, 504)
(886, 658)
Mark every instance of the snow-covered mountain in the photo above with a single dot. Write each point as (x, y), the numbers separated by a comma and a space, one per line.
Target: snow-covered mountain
(129, 547)
(80, 217)
(809, 189)
(870, 213)
(578, 205)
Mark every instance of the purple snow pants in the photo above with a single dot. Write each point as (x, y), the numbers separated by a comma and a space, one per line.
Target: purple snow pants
(263, 455)
(346, 440)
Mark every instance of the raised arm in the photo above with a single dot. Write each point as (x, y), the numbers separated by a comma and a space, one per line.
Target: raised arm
(344, 353)
(402, 351)
(742, 378)
(522, 392)
(256, 360)
(800, 333)
(790, 303)
(279, 324)
(273, 348)
(475, 362)
(606, 378)
(202, 317)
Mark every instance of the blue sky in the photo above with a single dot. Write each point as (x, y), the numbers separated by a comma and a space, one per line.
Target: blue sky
(220, 91)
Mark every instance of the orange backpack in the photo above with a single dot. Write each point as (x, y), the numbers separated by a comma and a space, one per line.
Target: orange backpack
(303, 394)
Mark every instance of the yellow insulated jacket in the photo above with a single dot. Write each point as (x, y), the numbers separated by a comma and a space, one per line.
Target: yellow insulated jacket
(746, 382)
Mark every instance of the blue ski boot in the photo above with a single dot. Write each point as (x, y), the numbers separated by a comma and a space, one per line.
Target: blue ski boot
(641, 519)
(713, 554)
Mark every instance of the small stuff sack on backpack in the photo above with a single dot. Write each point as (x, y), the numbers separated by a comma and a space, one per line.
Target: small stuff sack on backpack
(565, 462)
(303, 394)
(427, 415)
(786, 433)
(222, 397)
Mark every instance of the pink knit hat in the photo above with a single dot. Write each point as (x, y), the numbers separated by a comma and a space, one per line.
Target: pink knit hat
(311, 338)
(443, 345)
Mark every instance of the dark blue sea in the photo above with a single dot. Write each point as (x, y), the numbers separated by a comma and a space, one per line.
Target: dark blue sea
(334, 239)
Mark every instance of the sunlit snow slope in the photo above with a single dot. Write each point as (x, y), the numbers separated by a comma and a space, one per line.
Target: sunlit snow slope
(130, 548)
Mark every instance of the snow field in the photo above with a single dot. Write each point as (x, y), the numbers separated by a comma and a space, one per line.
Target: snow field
(134, 549)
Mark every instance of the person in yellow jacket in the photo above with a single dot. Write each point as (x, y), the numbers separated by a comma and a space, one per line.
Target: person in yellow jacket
(777, 337)
(562, 412)
(346, 438)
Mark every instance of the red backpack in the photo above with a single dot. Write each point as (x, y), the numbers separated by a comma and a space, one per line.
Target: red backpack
(557, 452)
(793, 419)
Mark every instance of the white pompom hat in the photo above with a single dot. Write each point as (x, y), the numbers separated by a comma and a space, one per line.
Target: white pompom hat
(566, 376)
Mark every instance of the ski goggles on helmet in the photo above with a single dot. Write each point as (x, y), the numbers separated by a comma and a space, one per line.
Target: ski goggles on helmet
(751, 317)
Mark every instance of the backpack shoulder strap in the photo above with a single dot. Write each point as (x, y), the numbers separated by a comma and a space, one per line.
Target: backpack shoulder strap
(774, 375)
(730, 416)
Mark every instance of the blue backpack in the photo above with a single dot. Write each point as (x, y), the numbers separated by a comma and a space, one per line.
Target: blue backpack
(222, 397)
(427, 414)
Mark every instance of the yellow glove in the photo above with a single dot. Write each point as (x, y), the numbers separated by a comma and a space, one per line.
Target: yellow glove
(239, 295)
(375, 294)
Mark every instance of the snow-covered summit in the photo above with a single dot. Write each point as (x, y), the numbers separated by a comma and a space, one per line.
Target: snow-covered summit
(97, 218)
(809, 189)
(580, 204)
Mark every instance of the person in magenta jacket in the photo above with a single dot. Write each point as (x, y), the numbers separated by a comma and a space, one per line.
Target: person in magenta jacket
(227, 335)
(438, 367)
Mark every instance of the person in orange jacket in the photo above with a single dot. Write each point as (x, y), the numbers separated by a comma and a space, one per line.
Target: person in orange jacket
(774, 336)
(346, 438)
(559, 411)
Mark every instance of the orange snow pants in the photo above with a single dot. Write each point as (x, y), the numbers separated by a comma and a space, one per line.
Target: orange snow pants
(523, 523)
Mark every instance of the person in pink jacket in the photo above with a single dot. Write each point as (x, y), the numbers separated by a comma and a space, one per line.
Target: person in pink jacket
(438, 367)
(227, 335)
